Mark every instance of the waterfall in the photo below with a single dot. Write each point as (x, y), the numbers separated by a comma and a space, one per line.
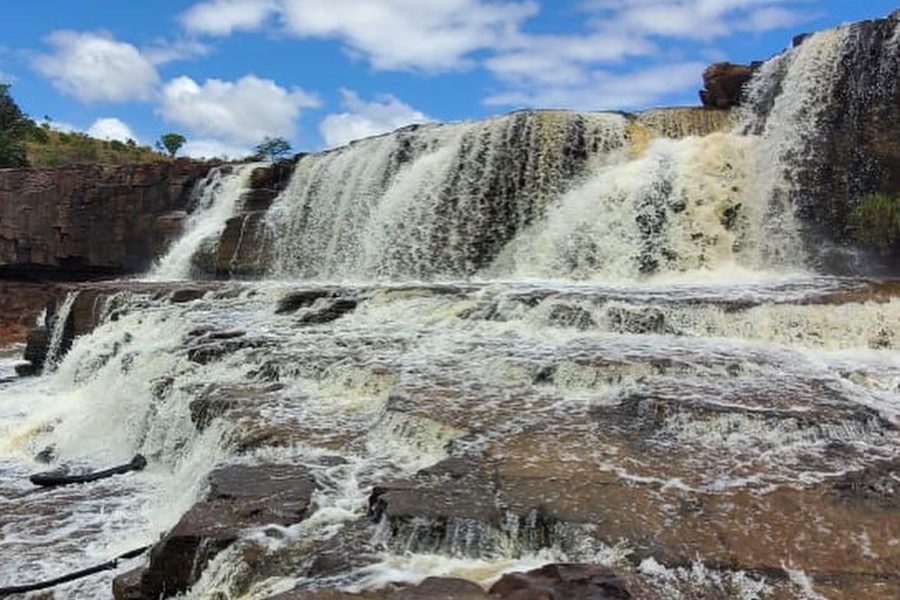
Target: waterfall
(623, 356)
(215, 200)
(58, 326)
(432, 201)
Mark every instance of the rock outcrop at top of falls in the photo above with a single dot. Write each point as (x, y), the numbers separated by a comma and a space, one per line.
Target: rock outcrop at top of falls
(90, 221)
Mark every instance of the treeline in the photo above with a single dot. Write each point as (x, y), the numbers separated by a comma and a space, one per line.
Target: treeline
(24, 143)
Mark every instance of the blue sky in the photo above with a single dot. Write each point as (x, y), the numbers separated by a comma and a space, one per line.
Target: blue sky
(322, 72)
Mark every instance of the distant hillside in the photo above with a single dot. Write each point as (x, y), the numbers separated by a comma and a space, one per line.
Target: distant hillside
(46, 147)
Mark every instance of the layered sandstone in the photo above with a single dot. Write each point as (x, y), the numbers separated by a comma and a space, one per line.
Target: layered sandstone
(90, 221)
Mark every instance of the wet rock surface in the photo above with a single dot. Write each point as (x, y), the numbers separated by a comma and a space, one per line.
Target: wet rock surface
(240, 498)
(623, 433)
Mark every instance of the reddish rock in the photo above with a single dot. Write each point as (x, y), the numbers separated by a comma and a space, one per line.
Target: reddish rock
(240, 497)
(562, 582)
(244, 247)
(89, 221)
(724, 84)
(441, 587)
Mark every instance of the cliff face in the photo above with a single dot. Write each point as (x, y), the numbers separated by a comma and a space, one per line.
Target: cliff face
(853, 150)
(89, 221)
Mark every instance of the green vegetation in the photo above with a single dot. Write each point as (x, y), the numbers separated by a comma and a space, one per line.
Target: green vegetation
(25, 143)
(272, 148)
(14, 129)
(876, 222)
(47, 147)
(172, 143)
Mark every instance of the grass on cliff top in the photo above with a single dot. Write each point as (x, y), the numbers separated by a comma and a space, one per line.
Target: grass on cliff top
(46, 147)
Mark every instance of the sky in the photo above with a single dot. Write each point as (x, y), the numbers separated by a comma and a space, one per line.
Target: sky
(227, 73)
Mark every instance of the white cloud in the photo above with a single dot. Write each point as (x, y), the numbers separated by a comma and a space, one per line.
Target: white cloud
(241, 112)
(164, 51)
(390, 34)
(693, 19)
(364, 119)
(210, 148)
(562, 69)
(563, 60)
(110, 128)
(222, 17)
(638, 89)
(94, 66)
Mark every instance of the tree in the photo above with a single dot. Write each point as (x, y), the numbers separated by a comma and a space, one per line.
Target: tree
(172, 143)
(14, 128)
(273, 148)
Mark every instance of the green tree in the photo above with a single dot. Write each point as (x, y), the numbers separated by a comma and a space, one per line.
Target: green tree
(14, 129)
(273, 148)
(172, 142)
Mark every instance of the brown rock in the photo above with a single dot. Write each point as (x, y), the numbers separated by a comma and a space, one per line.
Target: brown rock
(443, 588)
(127, 586)
(243, 248)
(724, 85)
(240, 497)
(562, 582)
(90, 221)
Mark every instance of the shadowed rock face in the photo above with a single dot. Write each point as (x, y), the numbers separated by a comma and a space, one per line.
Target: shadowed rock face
(239, 498)
(91, 221)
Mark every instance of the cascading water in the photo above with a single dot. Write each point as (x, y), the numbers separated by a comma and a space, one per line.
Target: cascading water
(217, 197)
(621, 358)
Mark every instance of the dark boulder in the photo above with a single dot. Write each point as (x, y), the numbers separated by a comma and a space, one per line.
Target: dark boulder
(444, 588)
(240, 497)
(724, 84)
(562, 582)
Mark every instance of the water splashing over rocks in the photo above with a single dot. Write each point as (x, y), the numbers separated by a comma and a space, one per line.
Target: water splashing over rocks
(578, 355)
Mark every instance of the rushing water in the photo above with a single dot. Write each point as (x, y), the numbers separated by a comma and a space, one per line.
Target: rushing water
(621, 327)
(217, 197)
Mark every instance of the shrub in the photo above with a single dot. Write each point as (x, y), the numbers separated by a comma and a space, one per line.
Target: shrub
(876, 222)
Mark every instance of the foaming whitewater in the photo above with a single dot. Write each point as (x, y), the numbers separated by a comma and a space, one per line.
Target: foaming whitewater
(216, 198)
(435, 200)
(621, 357)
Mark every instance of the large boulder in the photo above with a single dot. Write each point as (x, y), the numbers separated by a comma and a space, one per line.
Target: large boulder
(240, 497)
(724, 84)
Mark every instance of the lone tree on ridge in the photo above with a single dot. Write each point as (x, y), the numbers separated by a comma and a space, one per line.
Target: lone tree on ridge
(172, 143)
(273, 148)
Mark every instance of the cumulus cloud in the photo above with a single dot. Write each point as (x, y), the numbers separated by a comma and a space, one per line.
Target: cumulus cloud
(528, 66)
(163, 51)
(390, 34)
(563, 60)
(606, 90)
(222, 17)
(208, 148)
(94, 66)
(694, 19)
(573, 70)
(364, 119)
(242, 112)
(110, 128)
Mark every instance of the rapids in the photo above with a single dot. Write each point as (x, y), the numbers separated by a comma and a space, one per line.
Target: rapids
(612, 325)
